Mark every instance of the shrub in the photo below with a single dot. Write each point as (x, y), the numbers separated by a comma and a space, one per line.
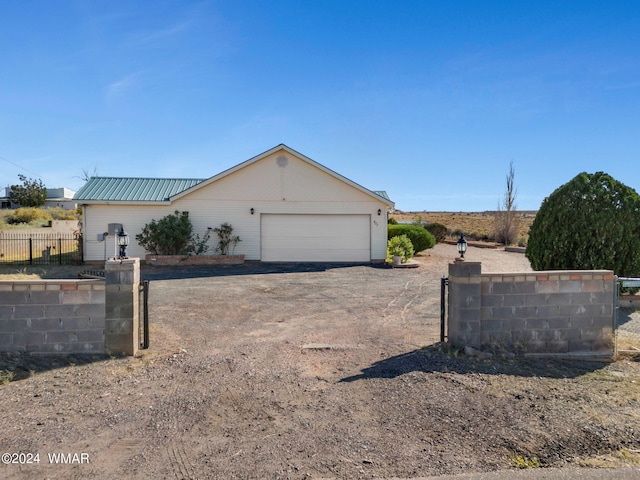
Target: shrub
(591, 222)
(59, 213)
(29, 215)
(226, 241)
(420, 238)
(197, 245)
(170, 235)
(456, 233)
(438, 230)
(392, 221)
(399, 246)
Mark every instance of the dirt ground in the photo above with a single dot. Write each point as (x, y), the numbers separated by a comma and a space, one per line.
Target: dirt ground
(276, 371)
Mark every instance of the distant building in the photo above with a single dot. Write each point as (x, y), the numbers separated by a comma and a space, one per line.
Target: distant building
(56, 197)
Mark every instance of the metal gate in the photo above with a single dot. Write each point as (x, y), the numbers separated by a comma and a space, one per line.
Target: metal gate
(444, 283)
(143, 301)
(626, 320)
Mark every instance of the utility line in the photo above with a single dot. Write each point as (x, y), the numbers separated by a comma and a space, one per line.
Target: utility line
(21, 167)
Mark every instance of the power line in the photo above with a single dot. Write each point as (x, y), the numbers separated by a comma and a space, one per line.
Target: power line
(21, 167)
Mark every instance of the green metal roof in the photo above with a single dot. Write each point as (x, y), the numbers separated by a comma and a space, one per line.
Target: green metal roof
(381, 193)
(133, 189)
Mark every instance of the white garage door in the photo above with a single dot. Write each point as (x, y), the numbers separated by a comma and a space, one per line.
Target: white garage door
(315, 238)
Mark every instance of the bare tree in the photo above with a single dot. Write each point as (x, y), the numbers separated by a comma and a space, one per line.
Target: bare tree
(507, 221)
(86, 174)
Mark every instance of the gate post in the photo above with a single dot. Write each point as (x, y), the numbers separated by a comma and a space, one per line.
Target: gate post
(465, 304)
(122, 318)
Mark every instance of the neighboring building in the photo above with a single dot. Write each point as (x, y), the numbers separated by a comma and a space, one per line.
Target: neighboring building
(56, 197)
(4, 198)
(283, 205)
(61, 197)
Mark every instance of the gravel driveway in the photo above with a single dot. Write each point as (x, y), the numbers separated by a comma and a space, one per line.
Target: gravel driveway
(308, 371)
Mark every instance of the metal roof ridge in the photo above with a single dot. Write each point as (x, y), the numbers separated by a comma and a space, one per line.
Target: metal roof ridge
(111, 177)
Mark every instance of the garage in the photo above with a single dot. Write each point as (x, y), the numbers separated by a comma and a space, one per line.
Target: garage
(315, 238)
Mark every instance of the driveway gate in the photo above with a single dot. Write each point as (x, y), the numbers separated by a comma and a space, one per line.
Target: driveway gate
(143, 302)
(630, 325)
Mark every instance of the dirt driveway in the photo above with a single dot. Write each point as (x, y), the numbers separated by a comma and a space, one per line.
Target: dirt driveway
(275, 371)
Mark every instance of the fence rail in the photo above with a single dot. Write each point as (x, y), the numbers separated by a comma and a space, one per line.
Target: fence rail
(40, 248)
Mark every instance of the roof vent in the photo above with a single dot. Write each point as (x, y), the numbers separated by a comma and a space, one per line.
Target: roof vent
(282, 161)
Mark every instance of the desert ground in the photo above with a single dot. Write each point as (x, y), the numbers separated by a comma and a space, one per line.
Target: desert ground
(314, 371)
(476, 225)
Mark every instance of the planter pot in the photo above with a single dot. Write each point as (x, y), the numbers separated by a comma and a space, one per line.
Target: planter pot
(180, 260)
(397, 260)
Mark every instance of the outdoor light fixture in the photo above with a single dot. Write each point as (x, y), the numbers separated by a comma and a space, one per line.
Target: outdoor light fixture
(252, 211)
(123, 242)
(379, 211)
(462, 246)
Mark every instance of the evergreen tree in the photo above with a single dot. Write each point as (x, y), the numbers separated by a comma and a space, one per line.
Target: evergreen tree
(591, 222)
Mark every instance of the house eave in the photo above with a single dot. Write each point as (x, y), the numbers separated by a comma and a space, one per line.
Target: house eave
(123, 202)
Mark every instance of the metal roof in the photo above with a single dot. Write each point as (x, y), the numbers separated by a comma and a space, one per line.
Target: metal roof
(133, 189)
(381, 193)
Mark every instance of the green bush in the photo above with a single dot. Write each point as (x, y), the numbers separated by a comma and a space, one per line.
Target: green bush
(399, 246)
(438, 230)
(420, 238)
(29, 215)
(171, 235)
(392, 221)
(591, 222)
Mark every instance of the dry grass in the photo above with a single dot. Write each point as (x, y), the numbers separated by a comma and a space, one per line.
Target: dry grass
(476, 225)
(617, 459)
(35, 272)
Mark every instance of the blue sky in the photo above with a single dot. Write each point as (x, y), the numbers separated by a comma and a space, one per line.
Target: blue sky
(428, 100)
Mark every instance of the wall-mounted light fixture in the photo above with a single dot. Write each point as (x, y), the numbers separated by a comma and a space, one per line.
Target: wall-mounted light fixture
(123, 242)
(379, 211)
(252, 211)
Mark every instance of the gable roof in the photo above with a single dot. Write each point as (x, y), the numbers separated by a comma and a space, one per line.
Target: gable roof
(165, 190)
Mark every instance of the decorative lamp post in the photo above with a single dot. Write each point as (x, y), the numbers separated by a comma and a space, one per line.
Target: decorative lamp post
(123, 242)
(462, 246)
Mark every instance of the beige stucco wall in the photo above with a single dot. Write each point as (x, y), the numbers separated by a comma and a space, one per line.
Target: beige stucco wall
(266, 186)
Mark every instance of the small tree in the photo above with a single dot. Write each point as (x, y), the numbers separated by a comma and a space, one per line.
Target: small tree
(226, 240)
(507, 224)
(591, 222)
(171, 235)
(32, 193)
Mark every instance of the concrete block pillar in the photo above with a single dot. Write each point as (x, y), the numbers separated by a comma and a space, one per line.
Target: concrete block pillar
(121, 306)
(465, 303)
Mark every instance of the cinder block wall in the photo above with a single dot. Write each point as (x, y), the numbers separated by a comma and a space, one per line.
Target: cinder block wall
(566, 313)
(52, 316)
